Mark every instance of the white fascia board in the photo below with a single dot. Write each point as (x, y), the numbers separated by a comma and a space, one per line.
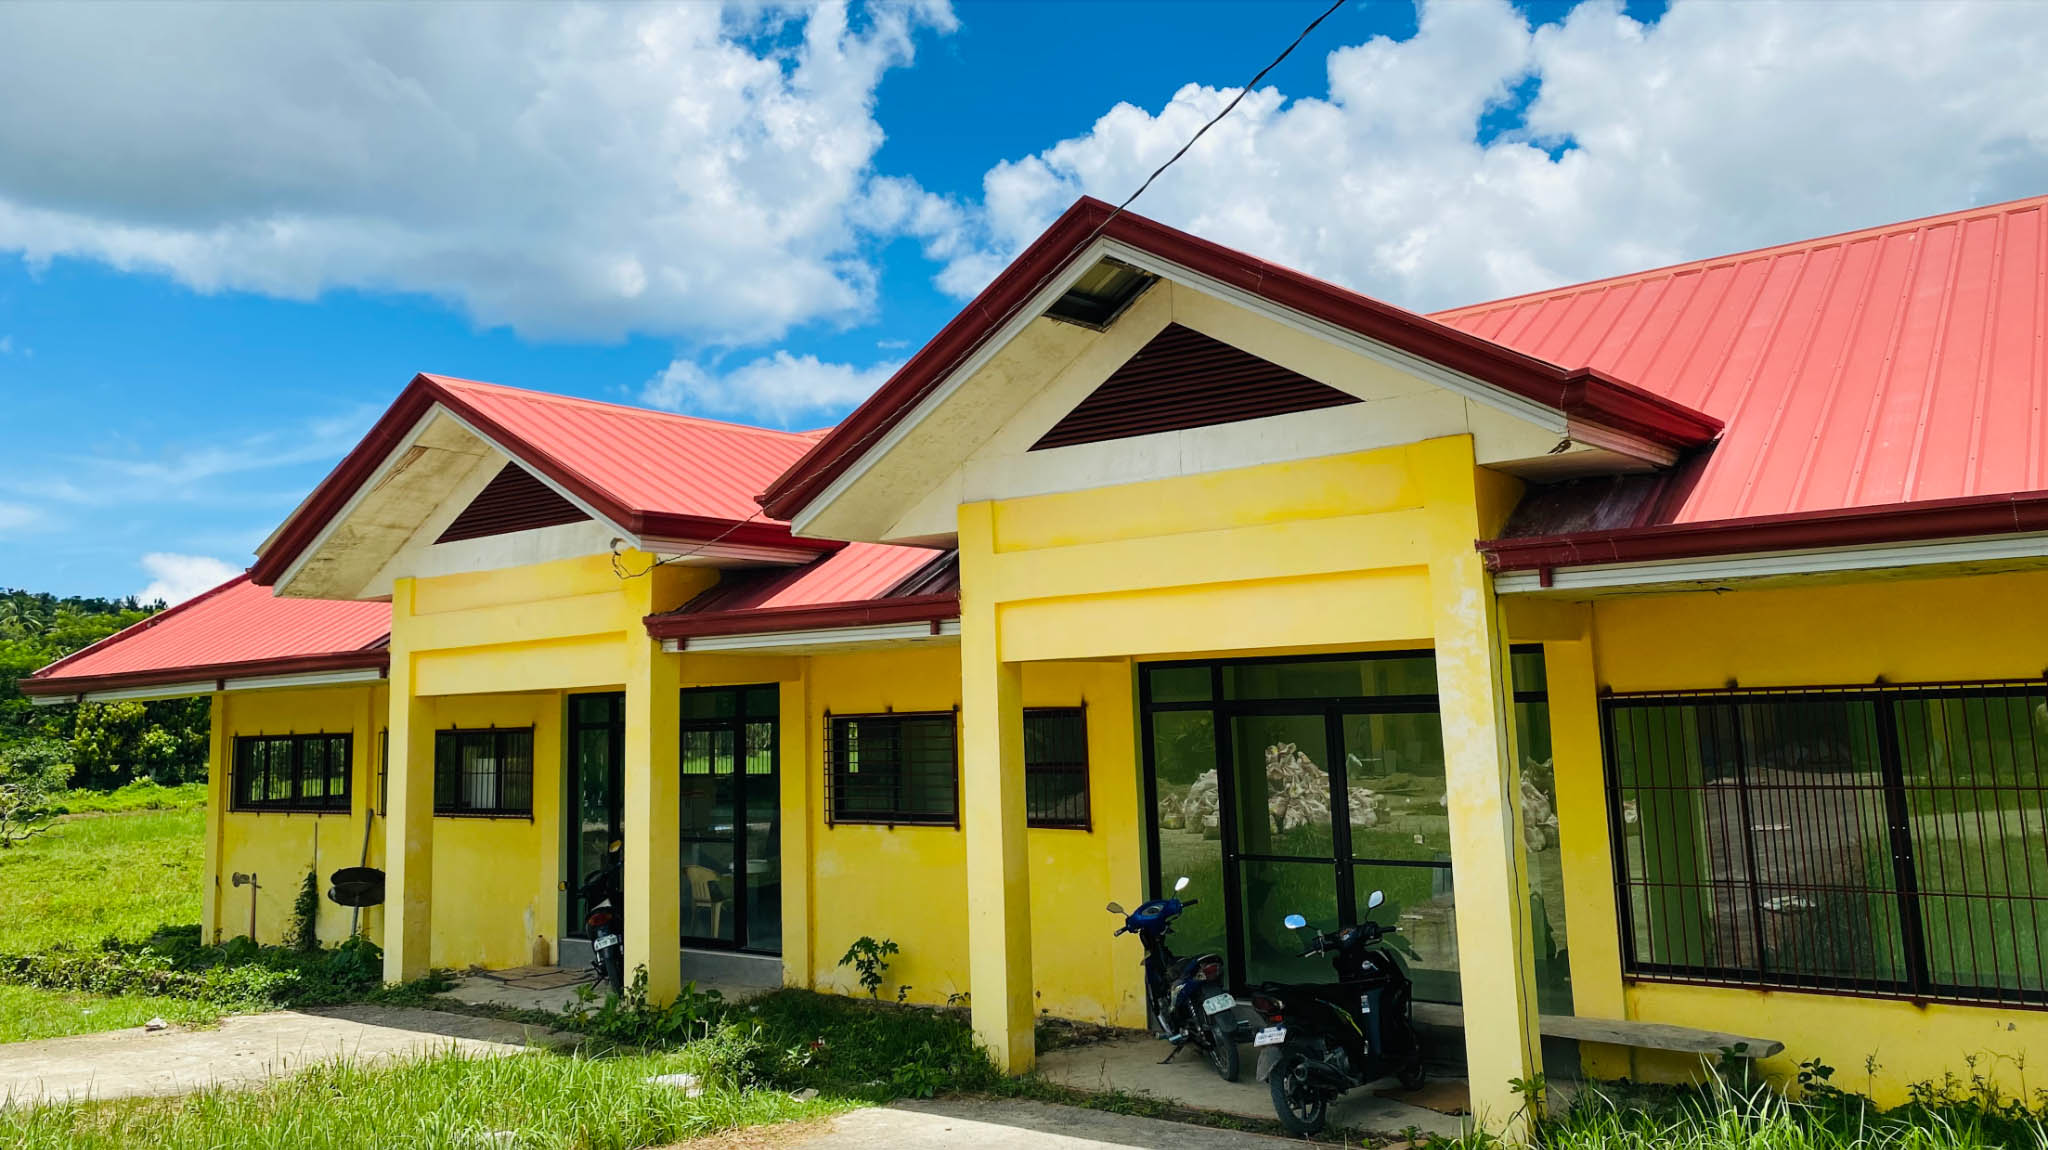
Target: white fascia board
(1765, 564)
(306, 679)
(1023, 317)
(770, 640)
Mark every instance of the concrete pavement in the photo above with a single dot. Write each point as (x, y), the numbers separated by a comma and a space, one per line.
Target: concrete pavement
(1012, 1125)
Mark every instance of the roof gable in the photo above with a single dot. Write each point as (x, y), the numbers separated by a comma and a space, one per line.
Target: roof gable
(657, 481)
(1184, 379)
(514, 500)
(1590, 401)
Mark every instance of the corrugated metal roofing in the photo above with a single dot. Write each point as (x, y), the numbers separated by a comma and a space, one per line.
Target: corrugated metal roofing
(860, 572)
(237, 624)
(1896, 364)
(655, 462)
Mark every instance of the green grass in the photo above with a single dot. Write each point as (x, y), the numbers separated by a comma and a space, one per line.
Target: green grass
(31, 1012)
(450, 1102)
(89, 879)
(140, 795)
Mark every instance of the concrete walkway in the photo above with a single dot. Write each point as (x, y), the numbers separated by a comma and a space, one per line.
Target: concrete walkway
(243, 1050)
(1132, 1064)
(1010, 1125)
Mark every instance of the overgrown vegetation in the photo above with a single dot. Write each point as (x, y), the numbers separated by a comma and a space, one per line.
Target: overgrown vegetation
(140, 795)
(105, 744)
(870, 960)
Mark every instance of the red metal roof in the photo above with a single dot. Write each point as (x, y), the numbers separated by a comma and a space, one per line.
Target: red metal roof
(1900, 364)
(236, 629)
(1582, 393)
(865, 583)
(654, 473)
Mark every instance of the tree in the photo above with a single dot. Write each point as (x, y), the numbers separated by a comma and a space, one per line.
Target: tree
(32, 774)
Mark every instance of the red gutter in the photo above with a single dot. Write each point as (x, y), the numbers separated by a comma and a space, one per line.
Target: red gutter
(1959, 518)
(415, 401)
(378, 657)
(1581, 394)
(815, 616)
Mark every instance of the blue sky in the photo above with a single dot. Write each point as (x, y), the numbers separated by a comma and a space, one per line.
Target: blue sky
(202, 306)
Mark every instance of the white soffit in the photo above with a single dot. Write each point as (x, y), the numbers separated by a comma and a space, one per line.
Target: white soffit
(1709, 573)
(946, 633)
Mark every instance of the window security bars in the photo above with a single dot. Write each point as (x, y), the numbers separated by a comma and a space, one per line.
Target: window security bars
(1885, 842)
(1056, 768)
(484, 773)
(892, 769)
(306, 773)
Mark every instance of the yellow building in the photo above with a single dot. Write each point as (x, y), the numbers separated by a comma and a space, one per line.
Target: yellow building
(1669, 649)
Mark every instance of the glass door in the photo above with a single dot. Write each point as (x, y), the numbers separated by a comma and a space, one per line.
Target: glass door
(731, 818)
(597, 741)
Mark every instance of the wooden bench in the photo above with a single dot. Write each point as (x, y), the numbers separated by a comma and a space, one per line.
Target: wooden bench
(1621, 1032)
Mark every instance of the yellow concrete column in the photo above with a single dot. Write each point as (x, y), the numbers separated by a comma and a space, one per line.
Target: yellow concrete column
(409, 811)
(653, 809)
(797, 780)
(1585, 848)
(992, 811)
(1496, 963)
(219, 775)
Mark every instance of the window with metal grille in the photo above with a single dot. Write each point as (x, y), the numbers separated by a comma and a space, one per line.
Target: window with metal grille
(1056, 767)
(1880, 842)
(292, 773)
(484, 774)
(893, 769)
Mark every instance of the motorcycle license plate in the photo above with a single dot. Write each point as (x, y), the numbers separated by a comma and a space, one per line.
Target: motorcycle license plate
(1271, 1036)
(605, 942)
(1218, 1003)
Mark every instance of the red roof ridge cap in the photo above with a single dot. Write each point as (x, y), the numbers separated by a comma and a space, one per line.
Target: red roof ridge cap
(1708, 263)
(140, 625)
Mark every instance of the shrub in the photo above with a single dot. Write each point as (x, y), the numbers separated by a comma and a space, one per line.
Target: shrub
(871, 960)
(236, 975)
(31, 775)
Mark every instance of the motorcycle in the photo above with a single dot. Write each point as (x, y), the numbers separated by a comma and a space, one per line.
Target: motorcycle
(1185, 998)
(1324, 1039)
(603, 893)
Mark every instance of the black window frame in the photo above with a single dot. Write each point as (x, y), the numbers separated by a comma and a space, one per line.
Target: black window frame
(1896, 798)
(294, 800)
(1041, 768)
(838, 787)
(448, 788)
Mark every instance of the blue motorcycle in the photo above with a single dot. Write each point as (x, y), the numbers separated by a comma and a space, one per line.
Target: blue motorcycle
(1186, 1001)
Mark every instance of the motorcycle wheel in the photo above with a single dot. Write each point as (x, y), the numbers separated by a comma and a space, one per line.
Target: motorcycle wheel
(1300, 1106)
(1413, 1075)
(1223, 1048)
(611, 969)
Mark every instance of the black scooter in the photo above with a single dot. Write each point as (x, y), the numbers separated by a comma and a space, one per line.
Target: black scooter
(603, 892)
(1185, 998)
(1324, 1039)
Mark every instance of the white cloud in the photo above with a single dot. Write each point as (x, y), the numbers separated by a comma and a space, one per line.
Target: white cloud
(176, 578)
(6, 344)
(1720, 127)
(782, 389)
(14, 516)
(584, 170)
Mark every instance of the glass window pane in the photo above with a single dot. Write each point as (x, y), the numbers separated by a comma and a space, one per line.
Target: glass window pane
(929, 770)
(1056, 767)
(1179, 684)
(763, 880)
(708, 890)
(1331, 678)
(312, 770)
(711, 704)
(1394, 767)
(764, 702)
(707, 783)
(1526, 668)
(1283, 785)
(1272, 891)
(1546, 865)
(1190, 835)
(1419, 902)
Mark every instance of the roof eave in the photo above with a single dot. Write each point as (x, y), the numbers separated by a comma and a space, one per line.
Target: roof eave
(1959, 518)
(370, 657)
(813, 616)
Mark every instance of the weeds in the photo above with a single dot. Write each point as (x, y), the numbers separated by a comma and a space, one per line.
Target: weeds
(870, 960)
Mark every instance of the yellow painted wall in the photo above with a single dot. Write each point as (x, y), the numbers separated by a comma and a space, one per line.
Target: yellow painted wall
(1917, 630)
(909, 884)
(279, 847)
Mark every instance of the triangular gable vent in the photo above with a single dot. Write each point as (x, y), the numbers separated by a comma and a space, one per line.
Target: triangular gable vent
(514, 500)
(1184, 379)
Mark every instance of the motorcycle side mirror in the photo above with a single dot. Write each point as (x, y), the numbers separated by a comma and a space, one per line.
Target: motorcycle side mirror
(1180, 884)
(1378, 897)
(1116, 908)
(617, 846)
(1294, 922)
